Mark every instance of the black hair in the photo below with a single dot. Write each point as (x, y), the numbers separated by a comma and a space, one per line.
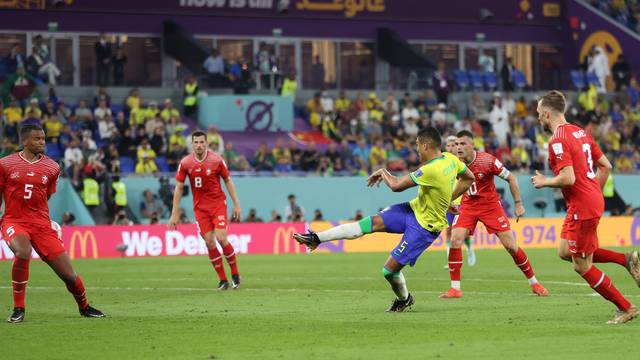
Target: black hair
(463, 133)
(26, 130)
(432, 135)
(198, 133)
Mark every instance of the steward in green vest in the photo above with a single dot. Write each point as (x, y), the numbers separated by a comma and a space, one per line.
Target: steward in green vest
(90, 192)
(190, 96)
(120, 190)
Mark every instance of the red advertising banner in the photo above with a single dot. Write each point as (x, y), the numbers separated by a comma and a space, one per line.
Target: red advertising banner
(156, 240)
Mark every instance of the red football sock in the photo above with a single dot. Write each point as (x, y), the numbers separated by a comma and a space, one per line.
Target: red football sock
(19, 278)
(216, 260)
(230, 254)
(608, 256)
(77, 290)
(603, 285)
(455, 264)
(522, 261)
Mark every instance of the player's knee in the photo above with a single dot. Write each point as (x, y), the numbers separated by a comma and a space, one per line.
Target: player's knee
(222, 240)
(69, 278)
(580, 268)
(456, 242)
(564, 254)
(22, 251)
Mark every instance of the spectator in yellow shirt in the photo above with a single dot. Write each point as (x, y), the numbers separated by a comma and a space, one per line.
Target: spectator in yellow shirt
(13, 113)
(137, 116)
(146, 159)
(133, 100)
(52, 126)
(342, 103)
(377, 155)
(177, 138)
(151, 111)
(33, 107)
(282, 156)
(589, 99)
(169, 111)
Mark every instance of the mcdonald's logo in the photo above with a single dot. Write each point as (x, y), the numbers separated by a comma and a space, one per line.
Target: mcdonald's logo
(283, 235)
(83, 238)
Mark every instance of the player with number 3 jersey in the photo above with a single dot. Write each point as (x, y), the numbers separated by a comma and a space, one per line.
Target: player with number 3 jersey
(580, 170)
(205, 169)
(481, 203)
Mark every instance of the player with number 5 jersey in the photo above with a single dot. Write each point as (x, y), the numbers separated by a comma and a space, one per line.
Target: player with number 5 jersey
(205, 169)
(481, 203)
(580, 169)
(27, 181)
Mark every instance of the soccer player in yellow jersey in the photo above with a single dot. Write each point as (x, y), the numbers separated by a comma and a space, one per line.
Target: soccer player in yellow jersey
(420, 220)
(450, 146)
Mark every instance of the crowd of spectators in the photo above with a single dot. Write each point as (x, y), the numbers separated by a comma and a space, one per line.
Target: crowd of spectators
(626, 12)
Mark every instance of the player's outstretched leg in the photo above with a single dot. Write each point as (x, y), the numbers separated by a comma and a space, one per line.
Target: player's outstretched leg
(630, 260)
(348, 231)
(61, 265)
(521, 260)
(603, 286)
(392, 272)
(21, 247)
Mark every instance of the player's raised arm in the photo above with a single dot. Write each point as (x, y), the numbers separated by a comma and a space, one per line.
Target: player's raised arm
(177, 196)
(396, 184)
(231, 187)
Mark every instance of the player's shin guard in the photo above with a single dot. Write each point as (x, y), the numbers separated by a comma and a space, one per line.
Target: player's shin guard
(216, 261)
(455, 264)
(608, 256)
(347, 231)
(522, 261)
(397, 282)
(19, 278)
(603, 285)
(77, 290)
(230, 255)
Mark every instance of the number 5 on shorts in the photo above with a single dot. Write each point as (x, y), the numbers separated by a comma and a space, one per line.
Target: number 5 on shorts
(10, 231)
(402, 246)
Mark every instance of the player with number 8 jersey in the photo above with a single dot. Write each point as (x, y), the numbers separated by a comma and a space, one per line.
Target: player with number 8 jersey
(205, 169)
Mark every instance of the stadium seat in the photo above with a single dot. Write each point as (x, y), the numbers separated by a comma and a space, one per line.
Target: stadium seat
(53, 150)
(476, 79)
(577, 79)
(127, 165)
(162, 163)
(519, 79)
(490, 80)
(461, 78)
(592, 79)
(116, 108)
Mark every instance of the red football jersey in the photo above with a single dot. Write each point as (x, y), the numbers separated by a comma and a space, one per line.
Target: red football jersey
(204, 177)
(482, 192)
(26, 188)
(572, 146)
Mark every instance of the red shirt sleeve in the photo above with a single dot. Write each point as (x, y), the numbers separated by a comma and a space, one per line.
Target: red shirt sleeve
(559, 154)
(53, 183)
(224, 171)
(181, 174)
(496, 167)
(2, 180)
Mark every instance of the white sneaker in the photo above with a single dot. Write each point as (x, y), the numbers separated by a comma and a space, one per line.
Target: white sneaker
(471, 256)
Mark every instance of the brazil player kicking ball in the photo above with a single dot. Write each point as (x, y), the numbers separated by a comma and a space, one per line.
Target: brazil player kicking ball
(204, 169)
(27, 181)
(581, 170)
(420, 220)
(450, 147)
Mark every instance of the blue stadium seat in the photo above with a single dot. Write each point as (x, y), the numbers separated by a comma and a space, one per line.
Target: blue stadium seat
(116, 108)
(53, 150)
(461, 78)
(162, 163)
(127, 165)
(476, 79)
(592, 79)
(577, 79)
(519, 80)
(491, 80)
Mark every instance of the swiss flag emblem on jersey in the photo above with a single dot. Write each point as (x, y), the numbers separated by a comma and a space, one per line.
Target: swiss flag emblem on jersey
(45, 179)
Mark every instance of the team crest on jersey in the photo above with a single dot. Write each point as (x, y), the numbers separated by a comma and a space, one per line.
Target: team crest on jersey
(14, 175)
(31, 173)
(418, 173)
(208, 172)
(45, 179)
(480, 175)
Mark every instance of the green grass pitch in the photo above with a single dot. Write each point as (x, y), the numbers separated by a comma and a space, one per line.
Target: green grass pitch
(317, 306)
